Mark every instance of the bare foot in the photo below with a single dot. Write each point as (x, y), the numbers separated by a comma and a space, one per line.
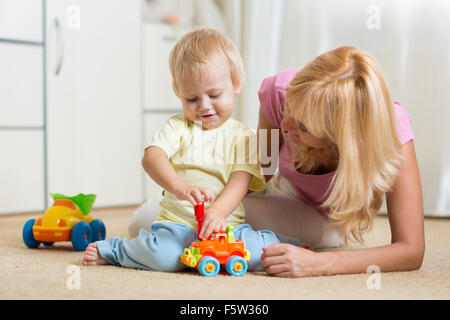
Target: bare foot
(92, 257)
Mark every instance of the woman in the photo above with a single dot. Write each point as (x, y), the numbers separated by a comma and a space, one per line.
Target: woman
(343, 146)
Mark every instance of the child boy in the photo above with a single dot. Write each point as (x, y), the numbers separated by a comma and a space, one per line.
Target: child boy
(199, 155)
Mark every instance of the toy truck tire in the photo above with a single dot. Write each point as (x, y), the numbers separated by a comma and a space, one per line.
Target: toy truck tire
(81, 236)
(98, 230)
(27, 235)
(208, 266)
(236, 266)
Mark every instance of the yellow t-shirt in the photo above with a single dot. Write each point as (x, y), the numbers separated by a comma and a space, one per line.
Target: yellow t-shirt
(206, 158)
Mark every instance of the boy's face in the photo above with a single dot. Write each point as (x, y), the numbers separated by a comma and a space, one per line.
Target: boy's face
(209, 99)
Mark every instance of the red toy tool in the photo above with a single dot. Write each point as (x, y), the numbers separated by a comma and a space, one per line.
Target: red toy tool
(199, 214)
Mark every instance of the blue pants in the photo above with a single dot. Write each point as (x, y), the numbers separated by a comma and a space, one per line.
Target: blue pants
(160, 248)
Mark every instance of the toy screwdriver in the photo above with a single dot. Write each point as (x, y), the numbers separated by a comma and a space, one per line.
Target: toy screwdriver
(199, 214)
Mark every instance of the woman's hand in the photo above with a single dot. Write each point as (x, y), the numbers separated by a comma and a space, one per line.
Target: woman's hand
(286, 260)
(193, 194)
(212, 222)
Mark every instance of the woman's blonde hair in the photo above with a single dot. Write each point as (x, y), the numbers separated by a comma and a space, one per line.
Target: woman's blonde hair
(199, 51)
(342, 95)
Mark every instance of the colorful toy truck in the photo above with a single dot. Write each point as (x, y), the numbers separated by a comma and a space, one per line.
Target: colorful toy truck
(220, 249)
(67, 219)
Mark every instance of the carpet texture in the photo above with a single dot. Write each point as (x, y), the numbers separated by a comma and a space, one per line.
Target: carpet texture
(47, 273)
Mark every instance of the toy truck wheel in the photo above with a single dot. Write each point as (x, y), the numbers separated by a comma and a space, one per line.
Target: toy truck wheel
(27, 235)
(81, 236)
(98, 230)
(208, 266)
(236, 266)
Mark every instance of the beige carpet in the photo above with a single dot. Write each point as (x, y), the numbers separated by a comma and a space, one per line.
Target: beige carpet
(43, 273)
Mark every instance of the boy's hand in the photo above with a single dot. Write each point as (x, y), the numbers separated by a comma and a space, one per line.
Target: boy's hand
(211, 222)
(194, 194)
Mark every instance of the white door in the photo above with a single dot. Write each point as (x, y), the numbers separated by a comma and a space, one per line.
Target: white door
(93, 100)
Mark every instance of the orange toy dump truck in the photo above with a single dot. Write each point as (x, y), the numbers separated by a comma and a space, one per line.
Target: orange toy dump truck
(221, 249)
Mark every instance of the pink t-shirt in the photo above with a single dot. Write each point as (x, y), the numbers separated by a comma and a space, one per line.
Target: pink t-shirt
(311, 188)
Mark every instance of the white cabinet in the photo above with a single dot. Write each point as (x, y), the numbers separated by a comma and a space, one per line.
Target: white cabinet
(70, 102)
(21, 171)
(159, 38)
(21, 20)
(22, 134)
(93, 103)
(21, 85)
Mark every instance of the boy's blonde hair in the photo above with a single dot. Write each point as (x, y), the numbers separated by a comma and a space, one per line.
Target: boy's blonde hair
(342, 95)
(199, 51)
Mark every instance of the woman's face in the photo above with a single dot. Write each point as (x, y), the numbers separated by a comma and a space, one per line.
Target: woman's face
(299, 135)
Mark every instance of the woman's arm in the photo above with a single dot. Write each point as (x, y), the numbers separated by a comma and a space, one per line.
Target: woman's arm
(406, 251)
(266, 144)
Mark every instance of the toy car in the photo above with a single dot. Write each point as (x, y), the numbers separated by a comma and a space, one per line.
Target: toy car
(67, 219)
(221, 249)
